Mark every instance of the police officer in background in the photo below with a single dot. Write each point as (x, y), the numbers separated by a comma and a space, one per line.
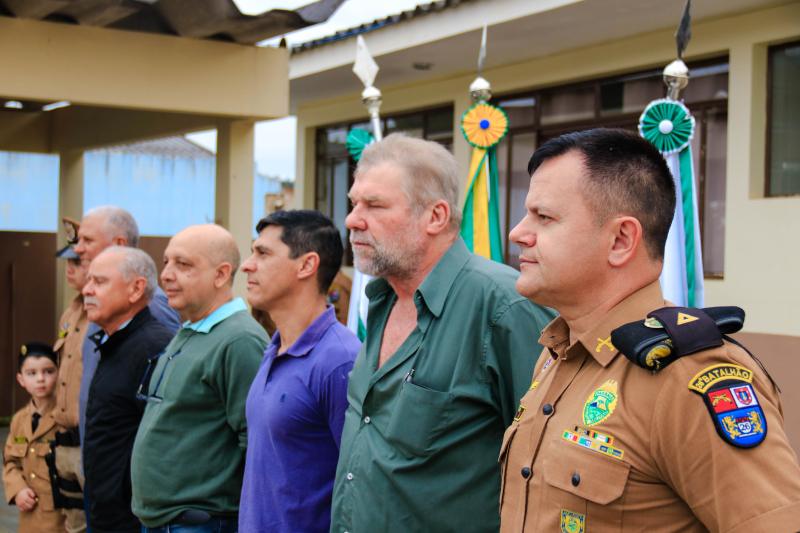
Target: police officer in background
(72, 330)
(690, 444)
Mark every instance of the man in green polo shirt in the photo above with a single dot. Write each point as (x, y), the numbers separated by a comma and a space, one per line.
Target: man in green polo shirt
(188, 460)
(450, 350)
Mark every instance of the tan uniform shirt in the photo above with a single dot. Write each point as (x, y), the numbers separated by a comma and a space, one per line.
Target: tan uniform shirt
(24, 467)
(72, 331)
(601, 445)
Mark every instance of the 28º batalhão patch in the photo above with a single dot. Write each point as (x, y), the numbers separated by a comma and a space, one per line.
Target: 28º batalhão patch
(728, 393)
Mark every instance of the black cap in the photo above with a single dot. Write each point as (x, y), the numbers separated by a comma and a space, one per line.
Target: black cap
(36, 349)
(67, 252)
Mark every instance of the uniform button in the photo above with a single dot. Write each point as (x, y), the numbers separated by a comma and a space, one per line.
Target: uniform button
(269, 378)
(349, 476)
(69, 356)
(63, 410)
(33, 450)
(63, 383)
(367, 420)
(33, 476)
(547, 409)
(576, 480)
(77, 328)
(526, 472)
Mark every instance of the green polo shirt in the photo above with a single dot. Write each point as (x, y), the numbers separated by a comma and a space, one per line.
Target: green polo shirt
(422, 456)
(190, 449)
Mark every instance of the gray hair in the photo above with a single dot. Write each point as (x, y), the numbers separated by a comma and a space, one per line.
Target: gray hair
(431, 170)
(118, 223)
(137, 264)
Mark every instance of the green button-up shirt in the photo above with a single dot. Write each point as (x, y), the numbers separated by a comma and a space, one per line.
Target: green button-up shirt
(421, 455)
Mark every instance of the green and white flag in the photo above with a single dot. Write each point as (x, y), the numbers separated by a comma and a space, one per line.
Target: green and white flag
(357, 140)
(670, 127)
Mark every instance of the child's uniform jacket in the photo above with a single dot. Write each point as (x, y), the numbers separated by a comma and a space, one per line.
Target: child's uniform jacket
(24, 466)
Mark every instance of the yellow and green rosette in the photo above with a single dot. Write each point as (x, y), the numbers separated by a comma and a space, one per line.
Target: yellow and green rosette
(484, 125)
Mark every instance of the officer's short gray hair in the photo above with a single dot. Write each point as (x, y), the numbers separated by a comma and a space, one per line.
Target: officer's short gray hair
(117, 223)
(137, 264)
(431, 171)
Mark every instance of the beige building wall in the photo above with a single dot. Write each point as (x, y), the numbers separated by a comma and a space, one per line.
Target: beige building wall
(762, 244)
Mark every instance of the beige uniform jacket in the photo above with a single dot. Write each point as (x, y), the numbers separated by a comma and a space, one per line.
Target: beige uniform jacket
(600, 445)
(24, 466)
(72, 331)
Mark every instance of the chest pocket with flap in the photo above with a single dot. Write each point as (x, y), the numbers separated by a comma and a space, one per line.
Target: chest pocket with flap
(17, 450)
(419, 418)
(602, 479)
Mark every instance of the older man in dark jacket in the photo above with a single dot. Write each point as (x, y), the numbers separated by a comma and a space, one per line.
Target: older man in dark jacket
(122, 282)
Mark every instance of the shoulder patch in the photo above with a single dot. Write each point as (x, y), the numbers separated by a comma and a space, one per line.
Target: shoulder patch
(520, 412)
(708, 377)
(732, 403)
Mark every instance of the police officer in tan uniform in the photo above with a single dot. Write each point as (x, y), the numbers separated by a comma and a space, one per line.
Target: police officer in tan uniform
(72, 331)
(606, 442)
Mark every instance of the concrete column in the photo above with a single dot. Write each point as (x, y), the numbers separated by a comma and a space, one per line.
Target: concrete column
(70, 204)
(233, 207)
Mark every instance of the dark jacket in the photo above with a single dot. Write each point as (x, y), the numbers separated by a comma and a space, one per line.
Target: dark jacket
(113, 414)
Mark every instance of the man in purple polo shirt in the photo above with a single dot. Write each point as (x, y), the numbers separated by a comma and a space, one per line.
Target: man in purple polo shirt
(296, 405)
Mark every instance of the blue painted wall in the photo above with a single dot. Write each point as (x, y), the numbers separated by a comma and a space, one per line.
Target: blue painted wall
(28, 192)
(165, 194)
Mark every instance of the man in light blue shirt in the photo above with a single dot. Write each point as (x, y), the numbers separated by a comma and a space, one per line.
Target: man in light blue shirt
(188, 458)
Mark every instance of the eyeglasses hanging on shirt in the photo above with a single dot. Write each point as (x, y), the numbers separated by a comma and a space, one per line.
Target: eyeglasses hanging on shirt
(151, 366)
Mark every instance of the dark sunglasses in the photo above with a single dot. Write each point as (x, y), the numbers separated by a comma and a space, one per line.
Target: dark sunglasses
(151, 367)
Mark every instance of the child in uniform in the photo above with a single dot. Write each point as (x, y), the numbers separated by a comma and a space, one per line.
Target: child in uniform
(25, 473)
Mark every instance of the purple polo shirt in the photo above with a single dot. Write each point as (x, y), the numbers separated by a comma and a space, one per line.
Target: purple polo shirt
(295, 413)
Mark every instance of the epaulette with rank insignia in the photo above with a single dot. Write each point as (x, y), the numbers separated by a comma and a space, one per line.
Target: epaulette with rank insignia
(670, 333)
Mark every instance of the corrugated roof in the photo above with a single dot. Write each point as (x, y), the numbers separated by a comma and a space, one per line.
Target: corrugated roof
(420, 10)
(197, 19)
(170, 147)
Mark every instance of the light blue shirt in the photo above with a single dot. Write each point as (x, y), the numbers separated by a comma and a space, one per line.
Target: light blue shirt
(224, 311)
(105, 337)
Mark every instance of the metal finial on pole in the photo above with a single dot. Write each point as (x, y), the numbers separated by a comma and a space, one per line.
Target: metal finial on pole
(366, 69)
(480, 90)
(676, 75)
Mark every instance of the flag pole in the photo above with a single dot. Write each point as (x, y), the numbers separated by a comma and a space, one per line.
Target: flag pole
(669, 125)
(483, 126)
(366, 69)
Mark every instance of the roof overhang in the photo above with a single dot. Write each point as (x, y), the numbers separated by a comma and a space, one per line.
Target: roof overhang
(449, 40)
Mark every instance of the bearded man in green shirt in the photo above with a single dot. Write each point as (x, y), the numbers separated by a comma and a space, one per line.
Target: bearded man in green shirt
(450, 350)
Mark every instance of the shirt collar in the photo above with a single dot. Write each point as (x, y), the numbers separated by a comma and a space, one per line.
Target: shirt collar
(221, 313)
(597, 339)
(437, 284)
(310, 337)
(105, 336)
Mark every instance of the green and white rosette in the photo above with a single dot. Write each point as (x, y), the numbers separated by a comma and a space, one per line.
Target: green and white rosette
(357, 140)
(669, 125)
